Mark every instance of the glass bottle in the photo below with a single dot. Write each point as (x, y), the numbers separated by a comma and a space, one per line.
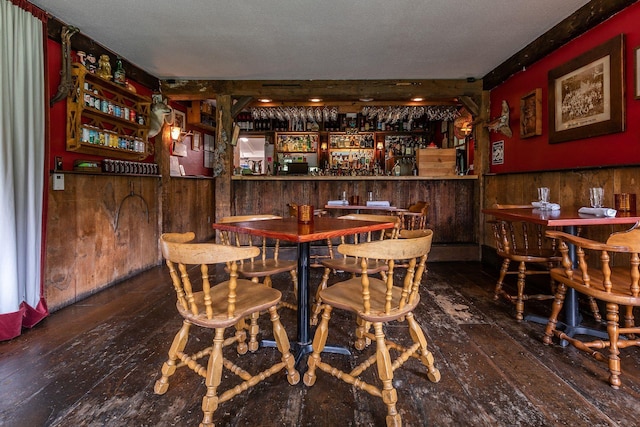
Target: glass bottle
(119, 75)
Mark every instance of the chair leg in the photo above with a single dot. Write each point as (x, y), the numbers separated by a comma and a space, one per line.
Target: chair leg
(522, 276)
(555, 310)
(316, 308)
(319, 341)
(253, 332)
(614, 352)
(212, 380)
(426, 356)
(294, 280)
(594, 309)
(503, 273)
(385, 373)
(241, 336)
(629, 320)
(169, 367)
(282, 342)
(362, 341)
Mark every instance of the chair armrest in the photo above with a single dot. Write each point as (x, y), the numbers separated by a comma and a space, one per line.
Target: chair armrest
(585, 243)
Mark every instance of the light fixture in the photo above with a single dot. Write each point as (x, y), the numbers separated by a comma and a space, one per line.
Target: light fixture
(315, 99)
(177, 134)
(265, 100)
(379, 146)
(417, 99)
(323, 146)
(366, 99)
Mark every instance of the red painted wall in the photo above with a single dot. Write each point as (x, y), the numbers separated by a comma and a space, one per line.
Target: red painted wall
(535, 153)
(193, 163)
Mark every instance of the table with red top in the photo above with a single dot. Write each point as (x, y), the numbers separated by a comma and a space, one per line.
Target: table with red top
(288, 229)
(568, 219)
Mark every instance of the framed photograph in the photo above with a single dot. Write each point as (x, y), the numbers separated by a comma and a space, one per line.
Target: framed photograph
(196, 141)
(208, 142)
(208, 159)
(586, 94)
(531, 114)
(636, 71)
(179, 149)
(179, 119)
(497, 153)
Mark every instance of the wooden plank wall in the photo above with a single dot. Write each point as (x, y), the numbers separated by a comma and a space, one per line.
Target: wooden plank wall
(452, 205)
(85, 249)
(568, 188)
(189, 206)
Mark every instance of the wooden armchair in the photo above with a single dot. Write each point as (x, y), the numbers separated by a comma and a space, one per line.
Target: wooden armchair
(218, 307)
(597, 276)
(415, 217)
(378, 302)
(262, 267)
(524, 244)
(352, 264)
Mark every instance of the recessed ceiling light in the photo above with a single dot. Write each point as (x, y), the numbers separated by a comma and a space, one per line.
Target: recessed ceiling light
(264, 100)
(417, 99)
(315, 99)
(366, 99)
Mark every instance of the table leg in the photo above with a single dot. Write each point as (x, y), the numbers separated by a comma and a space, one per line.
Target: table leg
(303, 345)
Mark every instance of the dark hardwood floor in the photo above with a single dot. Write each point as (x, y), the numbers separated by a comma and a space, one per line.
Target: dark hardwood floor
(95, 363)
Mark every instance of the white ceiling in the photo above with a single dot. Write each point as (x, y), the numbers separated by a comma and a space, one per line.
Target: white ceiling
(313, 40)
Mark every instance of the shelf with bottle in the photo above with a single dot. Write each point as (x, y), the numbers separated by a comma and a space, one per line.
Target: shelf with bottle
(202, 114)
(340, 140)
(297, 142)
(109, 109)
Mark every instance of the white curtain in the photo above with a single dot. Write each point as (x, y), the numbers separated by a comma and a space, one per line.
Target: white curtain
(22, 151)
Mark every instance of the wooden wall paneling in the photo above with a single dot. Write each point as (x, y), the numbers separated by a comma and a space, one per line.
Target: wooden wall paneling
(453, 212)
(85, 251)
(568, 188)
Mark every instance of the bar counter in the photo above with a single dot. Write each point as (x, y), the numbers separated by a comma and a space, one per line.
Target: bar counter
(453, 201)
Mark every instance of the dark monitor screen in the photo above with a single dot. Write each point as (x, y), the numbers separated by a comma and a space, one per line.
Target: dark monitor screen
(298, 168)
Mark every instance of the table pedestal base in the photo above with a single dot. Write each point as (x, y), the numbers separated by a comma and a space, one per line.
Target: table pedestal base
(299, 349)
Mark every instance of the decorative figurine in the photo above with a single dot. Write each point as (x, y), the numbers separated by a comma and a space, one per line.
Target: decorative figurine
(501, 124)
(104, 67)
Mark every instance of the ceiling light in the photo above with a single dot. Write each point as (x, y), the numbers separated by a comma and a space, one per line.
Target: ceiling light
(417, 99)
(366, 99)
(264, 100)
(315, 99)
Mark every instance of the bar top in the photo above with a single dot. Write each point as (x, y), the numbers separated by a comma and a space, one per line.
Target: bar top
(351, 178)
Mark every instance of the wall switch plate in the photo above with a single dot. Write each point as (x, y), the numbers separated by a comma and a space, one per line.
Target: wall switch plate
(58, 181)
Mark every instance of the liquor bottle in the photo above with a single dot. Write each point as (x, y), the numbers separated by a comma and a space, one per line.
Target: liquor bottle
(119, 75)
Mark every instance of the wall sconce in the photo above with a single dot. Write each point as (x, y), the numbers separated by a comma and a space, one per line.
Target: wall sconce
(379, 146)
(323, 146)
(177, 134)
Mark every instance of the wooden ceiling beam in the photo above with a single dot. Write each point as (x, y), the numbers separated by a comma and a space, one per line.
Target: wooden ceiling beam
(240, 104)
(328, 90)
(582, 20)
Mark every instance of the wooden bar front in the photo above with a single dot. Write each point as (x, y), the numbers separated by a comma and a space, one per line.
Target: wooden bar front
(452, 212)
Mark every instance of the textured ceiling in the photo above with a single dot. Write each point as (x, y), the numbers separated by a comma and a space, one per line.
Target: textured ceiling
(313, 40)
